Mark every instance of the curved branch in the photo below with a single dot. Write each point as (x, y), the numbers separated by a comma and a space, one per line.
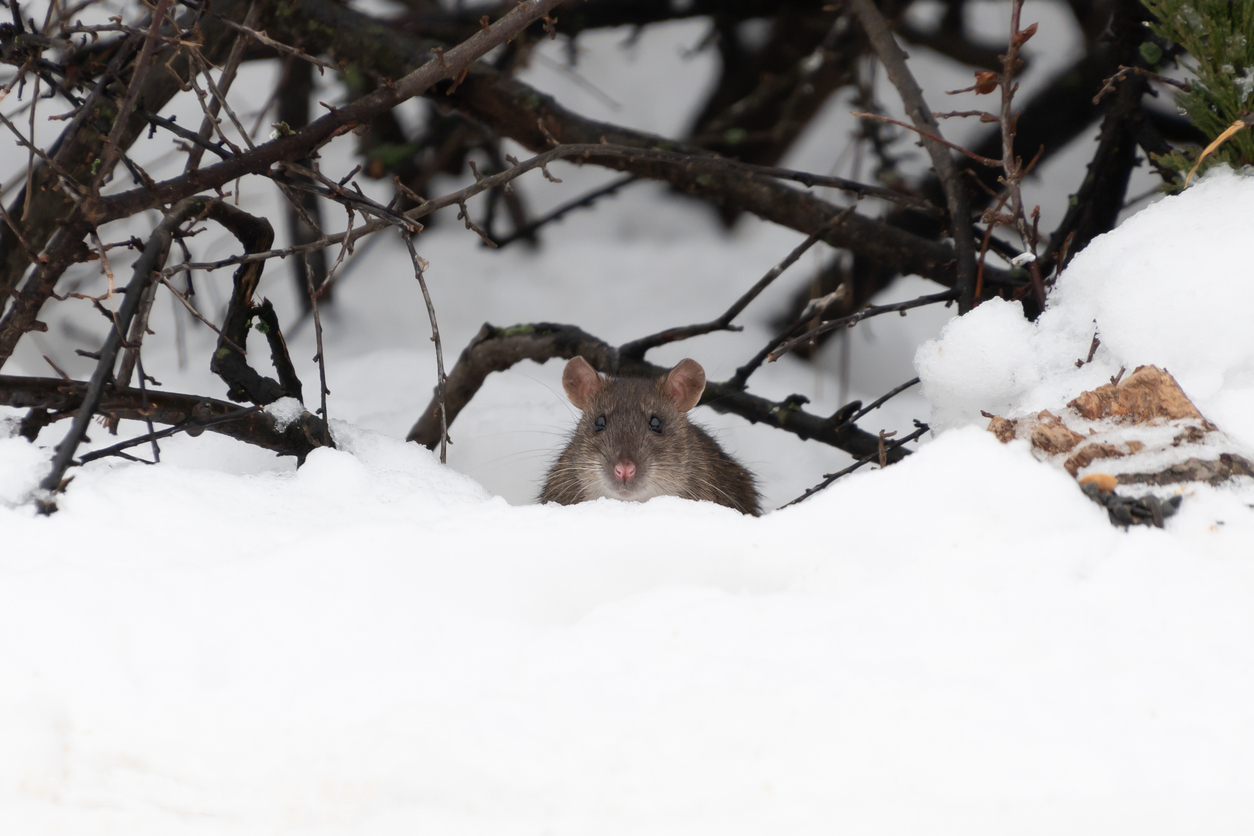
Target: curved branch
(497, 349)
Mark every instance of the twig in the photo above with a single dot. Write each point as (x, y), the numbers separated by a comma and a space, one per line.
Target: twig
(927, 135)
(1109, 85)
(832, 477)
(956, 199)
(258, 428)
(878, 402)
(637, 348)
(815, 308)
(192, 310)
(112, 146)
(183, 133)
(228, 78)
(261, 37)
(143, 393)
(528, 230)
(53, 166)
(866, 313)
(17, 233)
(323, 391)
(154, 436)
(1011, 165)
(441, 380)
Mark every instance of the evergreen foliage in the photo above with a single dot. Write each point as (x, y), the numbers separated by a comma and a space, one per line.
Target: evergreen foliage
(1219, 37)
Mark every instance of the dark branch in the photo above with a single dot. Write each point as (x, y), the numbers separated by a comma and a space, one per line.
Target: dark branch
(497, 349)
(255, 427)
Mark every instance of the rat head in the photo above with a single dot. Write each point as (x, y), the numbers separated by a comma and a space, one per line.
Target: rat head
(634, 437)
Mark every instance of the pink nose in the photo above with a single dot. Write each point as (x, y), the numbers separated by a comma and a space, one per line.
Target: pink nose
(623, 471)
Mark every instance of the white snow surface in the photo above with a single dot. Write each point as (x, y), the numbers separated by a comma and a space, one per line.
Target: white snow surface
(1173, 286)
(375, 643)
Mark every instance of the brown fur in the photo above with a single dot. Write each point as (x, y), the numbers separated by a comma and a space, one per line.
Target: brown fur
(681, 460)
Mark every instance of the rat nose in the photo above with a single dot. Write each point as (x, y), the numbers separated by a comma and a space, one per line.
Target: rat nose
(624, 470)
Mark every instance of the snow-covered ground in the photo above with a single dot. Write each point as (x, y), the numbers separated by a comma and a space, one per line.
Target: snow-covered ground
(375, 643)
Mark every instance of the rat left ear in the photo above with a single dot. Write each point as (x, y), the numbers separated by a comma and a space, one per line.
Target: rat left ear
(684, 384)
(581, 382)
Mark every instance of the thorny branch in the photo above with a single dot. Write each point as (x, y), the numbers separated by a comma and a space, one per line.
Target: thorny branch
(441, 378)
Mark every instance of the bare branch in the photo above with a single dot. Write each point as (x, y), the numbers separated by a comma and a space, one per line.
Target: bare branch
(879, 455)
(636, 349)
(894, 60)
(866, 313)
(497, 349)
(441, 379)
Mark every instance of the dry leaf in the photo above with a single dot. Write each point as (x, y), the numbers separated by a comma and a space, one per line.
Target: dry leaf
(985, 82)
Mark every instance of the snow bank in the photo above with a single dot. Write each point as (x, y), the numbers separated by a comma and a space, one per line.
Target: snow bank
(372, 643)
(1173, 286)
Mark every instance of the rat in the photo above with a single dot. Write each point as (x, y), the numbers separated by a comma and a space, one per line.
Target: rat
(634, 442)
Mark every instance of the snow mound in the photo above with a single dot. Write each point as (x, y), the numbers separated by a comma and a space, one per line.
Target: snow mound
(21, 468)
(1173, 287)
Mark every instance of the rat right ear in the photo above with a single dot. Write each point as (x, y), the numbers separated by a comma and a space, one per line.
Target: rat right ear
(581, 382)
(684, 384)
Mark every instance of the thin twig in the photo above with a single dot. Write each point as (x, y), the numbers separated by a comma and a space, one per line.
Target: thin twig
(192, 310)
(113, 145)
(228, 78)
(528, 230)
(832, 477)
(323, 391)
(155, 435)
(878, 402)
(637, 348)
(261, 37)
(986, 161)
(866, 313)
(1109, 85)
(1011, 165)
(441, 380)
(956, 199)
(143, 393)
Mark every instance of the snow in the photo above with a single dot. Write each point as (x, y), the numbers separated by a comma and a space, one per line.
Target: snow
(286, 411)
(1172, 287)
(376, 643)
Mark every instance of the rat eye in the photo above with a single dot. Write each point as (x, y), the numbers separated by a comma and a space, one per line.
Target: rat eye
(655, 424)
(599, 423)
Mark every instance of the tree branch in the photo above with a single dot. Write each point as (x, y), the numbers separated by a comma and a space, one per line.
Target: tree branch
(255, 427)
(959, 205)
(497, 349)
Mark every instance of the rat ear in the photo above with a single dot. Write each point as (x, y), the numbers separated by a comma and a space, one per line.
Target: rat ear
(684, 384)
(581, 382)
